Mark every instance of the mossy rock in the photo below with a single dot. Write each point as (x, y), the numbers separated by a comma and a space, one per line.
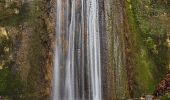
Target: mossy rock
(9, 8)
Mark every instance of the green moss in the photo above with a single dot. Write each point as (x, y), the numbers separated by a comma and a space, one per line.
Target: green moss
(10, 84)
(165, 97)
(145, 69)
(32, 14)
(3, 76)
(28, 12)
(151, 53)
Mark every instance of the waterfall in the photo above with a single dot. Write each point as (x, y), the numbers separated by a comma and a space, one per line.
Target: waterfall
(93, 48)
(77, 61)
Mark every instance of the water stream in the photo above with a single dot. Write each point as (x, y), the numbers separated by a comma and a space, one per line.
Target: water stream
(77, 64)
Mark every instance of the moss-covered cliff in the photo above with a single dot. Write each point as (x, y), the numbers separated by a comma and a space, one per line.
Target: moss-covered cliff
(30, 27)
(148, 24)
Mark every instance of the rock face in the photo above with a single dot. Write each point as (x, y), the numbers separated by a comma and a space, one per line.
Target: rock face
(9, 8)
(115, 75)
(30, 28)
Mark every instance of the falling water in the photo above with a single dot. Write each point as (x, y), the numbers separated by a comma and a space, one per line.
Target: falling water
(94, 47)
(77, 65)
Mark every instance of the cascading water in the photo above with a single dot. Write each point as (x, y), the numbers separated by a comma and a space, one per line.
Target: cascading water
(93, 48)
(77, 65)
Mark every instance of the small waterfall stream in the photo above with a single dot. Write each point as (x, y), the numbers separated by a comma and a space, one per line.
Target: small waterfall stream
(77, 65)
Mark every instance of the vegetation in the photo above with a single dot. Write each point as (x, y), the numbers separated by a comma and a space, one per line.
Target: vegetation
(9, 80)
(12, 84)
(151, 54)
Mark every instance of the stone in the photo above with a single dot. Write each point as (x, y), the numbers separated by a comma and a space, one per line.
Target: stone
(3, 31)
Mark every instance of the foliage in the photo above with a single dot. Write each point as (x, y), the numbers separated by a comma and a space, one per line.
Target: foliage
(147, 14)
(10, 85)
(4, 43)
(151, 53)
(165, 97)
